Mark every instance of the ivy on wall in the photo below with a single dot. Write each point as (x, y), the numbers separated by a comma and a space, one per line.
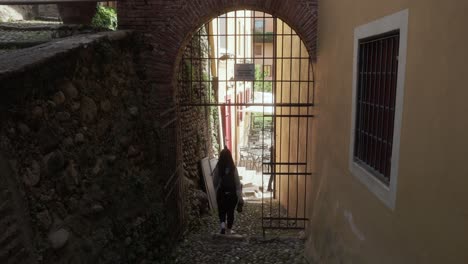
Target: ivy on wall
(106, 17)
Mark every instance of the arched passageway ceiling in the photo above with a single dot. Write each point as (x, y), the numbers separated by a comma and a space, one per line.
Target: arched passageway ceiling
(171, 24)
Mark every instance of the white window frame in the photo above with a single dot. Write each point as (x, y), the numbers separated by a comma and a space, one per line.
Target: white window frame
(397, 21)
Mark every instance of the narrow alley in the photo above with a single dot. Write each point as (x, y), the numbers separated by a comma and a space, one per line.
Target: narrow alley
(334, 130)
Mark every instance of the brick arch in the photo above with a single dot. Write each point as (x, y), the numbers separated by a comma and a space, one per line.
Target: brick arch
(169, 25)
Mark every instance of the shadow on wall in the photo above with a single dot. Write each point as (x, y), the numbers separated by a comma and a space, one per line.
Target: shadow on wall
(329, 221)
(15, 224)
(84, 145)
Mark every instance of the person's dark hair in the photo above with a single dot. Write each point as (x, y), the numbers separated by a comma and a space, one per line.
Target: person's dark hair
(225, 161)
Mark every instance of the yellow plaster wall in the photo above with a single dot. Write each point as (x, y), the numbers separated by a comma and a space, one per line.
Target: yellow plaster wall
(429, 224)
(293, 135)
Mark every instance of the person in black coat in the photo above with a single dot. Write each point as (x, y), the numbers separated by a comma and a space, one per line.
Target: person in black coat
(228, 190)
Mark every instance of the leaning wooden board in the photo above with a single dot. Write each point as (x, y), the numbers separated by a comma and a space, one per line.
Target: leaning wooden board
(207, 170)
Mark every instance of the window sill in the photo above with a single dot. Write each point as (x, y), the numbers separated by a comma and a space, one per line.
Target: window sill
(376, 186)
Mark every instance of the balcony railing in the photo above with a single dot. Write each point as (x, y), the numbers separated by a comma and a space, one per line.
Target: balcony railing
(263, 37)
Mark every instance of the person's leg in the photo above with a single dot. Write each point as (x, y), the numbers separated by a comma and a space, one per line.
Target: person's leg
(271, 181)
(230, 207)
(222, 210)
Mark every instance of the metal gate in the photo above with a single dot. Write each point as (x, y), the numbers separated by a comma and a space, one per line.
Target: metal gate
(252, 72)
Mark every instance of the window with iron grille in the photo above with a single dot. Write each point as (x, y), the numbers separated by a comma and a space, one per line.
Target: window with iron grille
(379, 70)
(375, 103)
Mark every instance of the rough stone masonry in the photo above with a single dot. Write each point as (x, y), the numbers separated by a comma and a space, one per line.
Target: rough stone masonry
(79, 133)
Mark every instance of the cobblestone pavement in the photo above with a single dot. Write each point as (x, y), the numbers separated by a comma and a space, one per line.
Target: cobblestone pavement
(202, 246)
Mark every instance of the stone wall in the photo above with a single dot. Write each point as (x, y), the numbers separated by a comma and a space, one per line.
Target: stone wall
(82, 137)
(195, 123)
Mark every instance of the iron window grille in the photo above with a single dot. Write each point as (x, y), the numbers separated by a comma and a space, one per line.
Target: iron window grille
(375, 109)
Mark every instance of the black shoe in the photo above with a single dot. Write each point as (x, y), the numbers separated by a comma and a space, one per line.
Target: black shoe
(223, 231)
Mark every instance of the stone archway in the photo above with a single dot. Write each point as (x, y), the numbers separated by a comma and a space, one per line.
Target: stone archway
(169, 26)
(262, 113)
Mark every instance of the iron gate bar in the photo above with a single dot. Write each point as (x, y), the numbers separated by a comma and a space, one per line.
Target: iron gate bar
(273, 138)
(251, 58)
(174, 179)
(289, 173)
(266, 81)
(283, 228)
(287, 116)
(297, 107)
(285, 218)
(263, 101)
(298, 130)
(284, 163)
(168, 123)
(281, 121)
(289, 126)
(235, 83)
(167, 111)
(250, 104)
(42, 2)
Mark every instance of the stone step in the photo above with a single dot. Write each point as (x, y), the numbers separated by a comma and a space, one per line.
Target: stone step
(253, 188)
(241, 170)
(250, 173)
(247, 184)
(251, 192)
(254, 191)
(228, 238)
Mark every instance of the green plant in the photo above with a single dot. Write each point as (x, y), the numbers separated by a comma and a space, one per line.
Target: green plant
(260, 84)
(260, 121)
(106, 17)
(263, 37)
